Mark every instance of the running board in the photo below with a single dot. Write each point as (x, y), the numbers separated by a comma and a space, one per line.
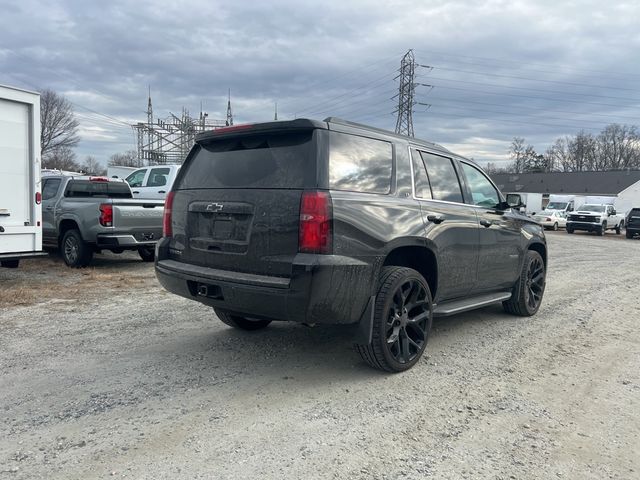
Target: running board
(459, 306)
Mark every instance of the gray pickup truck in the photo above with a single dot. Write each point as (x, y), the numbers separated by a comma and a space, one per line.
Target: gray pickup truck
(84, 215)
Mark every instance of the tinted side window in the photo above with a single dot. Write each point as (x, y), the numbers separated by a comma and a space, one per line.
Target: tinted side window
(420, 180)
(442, 177)
(158, 177)
(359, 164)
(483, 192)
(50, 188)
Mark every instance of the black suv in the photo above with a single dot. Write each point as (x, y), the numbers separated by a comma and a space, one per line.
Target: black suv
(336, 222)
(633, 222)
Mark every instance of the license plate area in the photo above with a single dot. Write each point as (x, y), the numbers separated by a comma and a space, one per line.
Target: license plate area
(226, 230)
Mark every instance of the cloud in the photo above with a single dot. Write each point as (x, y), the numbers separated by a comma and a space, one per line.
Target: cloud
(537, 69)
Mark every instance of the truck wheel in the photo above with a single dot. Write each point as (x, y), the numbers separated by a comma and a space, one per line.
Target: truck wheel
(555, 227)
(402, 320)
(629, 234)
(529, 289)
(569, 229)
(619, 228)
(10, 263)
(602, 229)
(147, 254)
(76, 252)
(239, 322)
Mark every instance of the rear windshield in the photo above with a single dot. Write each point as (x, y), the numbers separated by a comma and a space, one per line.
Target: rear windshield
(86, 189)
(256, 161)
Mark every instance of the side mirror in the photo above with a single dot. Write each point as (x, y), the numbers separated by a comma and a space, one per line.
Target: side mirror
(514, 200)
(613, 212)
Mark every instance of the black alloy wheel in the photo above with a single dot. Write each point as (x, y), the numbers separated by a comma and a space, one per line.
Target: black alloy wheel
(527, 294)
(402, 321)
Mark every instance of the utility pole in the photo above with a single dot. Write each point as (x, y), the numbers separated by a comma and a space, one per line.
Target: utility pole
(275, 117)
(406, 92)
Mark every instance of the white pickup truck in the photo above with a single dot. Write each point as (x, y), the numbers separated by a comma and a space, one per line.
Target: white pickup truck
(595, 218)
(153, 182)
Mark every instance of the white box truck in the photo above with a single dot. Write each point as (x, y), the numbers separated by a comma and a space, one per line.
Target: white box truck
(564, 203)
(20, 197)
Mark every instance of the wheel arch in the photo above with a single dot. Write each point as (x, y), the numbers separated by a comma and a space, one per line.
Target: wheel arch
(419, 257)
(541, 248)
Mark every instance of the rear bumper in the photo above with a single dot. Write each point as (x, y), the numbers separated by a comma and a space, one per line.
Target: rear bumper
(328, 289)
(122, 241)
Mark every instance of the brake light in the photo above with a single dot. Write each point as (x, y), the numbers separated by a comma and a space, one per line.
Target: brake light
(231, 128)
(38, 198)
(166, 216)
(316, 218)
(106, 215)
(98, 179)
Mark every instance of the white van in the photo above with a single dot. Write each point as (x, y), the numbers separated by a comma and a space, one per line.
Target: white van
(153, 182)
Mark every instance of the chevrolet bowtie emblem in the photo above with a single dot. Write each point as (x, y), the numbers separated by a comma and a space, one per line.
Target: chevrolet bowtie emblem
(214, 207)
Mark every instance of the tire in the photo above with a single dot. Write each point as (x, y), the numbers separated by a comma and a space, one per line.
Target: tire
(239, 322)
(619, 228)
(629, 234)
(10, 263)
(76, 253)
(400, 334)
(602, 229)
(555, 227)
(569, 229)
(529, 289)
(147, 254)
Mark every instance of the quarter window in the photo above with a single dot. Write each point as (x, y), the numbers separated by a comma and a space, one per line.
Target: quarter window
(443, 178)
(483, 193)
(359, 164)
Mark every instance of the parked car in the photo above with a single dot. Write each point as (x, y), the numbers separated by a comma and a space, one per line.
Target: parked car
(153, 182)
(335, 222)
(551, 220)
(82, 215)
(633, 222)
(595, 218)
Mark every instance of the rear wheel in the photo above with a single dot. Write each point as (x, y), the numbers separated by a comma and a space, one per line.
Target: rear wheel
(402, 321)
(528, 291)
(147, 254)
(242, 323)
(629, 234)
(76, 253)
(10, 263)
(555, 227)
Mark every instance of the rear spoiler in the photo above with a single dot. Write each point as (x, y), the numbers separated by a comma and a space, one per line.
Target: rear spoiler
(265, 127)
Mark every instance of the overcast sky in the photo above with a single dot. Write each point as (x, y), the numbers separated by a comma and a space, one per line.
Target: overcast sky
(499, 69)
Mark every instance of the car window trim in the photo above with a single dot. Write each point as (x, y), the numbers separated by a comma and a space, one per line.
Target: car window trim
(418, 148)
(468, 187)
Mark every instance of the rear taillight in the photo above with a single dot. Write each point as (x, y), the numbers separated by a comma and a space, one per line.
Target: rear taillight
(106, 215)
(316, 218)
(98, 179)
(166, 217)
(38, 198)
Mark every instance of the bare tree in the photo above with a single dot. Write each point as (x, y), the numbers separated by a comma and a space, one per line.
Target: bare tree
(618, 147)
(91, 166)
(62, 158)
(517, 153)
(126, 159)
(58, 126)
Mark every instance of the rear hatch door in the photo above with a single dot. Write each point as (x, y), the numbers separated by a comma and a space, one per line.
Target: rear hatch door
(237, 201)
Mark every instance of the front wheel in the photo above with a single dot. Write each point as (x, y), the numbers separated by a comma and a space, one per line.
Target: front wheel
(76, 253)
(619, 228)
(147, 254)
(241, 323)
(402, 321)
(528, 291)
(602, 229)
(555, 227)
(629, 234)
(569, 229)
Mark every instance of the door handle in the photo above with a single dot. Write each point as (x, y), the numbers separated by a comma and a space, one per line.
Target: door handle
(486, 223)
(135, 191)
(435, 218)
(161, 191)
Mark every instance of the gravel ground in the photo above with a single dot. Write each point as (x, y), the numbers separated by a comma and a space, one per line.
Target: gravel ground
(105, 375)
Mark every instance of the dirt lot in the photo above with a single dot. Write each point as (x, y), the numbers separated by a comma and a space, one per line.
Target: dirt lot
(104, 375)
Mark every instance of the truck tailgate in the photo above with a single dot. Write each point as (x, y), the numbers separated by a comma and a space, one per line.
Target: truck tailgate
(138, 215)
